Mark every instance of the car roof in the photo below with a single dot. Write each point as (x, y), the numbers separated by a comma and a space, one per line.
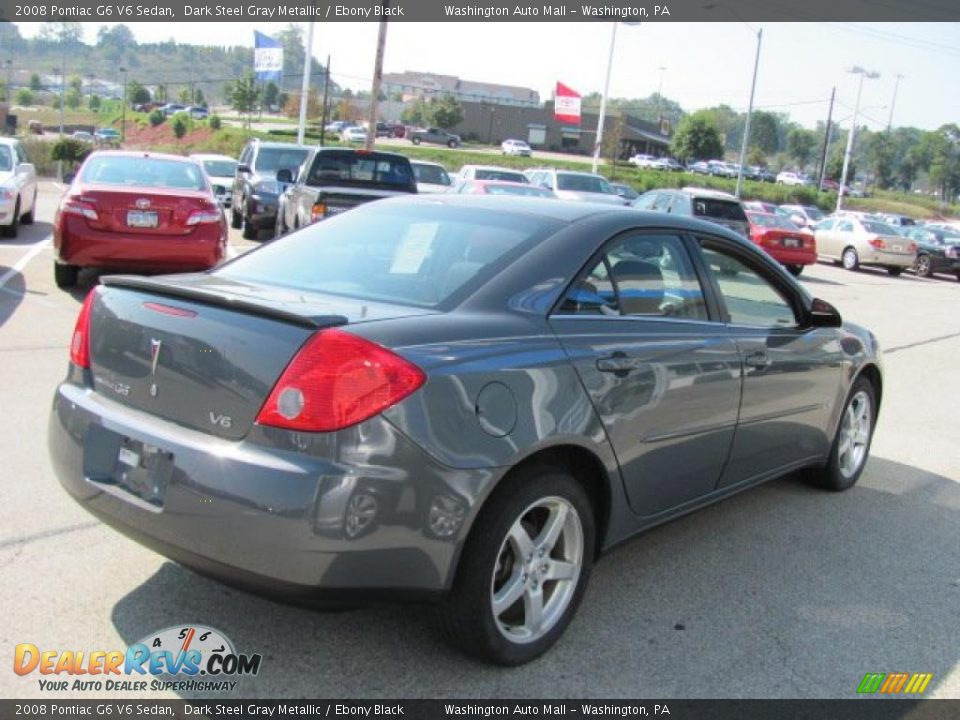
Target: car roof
(493, 167)
(281, 145)
(211, 156)
(427, 162)
(707, 192)
(142, 154)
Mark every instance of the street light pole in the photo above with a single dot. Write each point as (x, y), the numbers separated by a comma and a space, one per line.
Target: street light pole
(857, 70)
(123, 109)
(746, 128)
(603, 100)
(893, 102)
(662, 68)
(305, 85)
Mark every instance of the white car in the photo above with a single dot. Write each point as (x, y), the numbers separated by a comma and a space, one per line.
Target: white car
(18, 187)
(355, 134)
(431, 177)
(489, 172)
(221, 171)
(642, 161)
(515, 147)
(791, 178)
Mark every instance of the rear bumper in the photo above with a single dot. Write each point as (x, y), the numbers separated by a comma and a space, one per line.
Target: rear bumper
(262, 211)
(77, 244)
(792, 256)
(278, 521)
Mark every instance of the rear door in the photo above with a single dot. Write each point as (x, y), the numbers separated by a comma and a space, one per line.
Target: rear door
(663, 377)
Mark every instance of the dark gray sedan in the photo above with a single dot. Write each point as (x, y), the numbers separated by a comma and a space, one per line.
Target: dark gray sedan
(461, 399)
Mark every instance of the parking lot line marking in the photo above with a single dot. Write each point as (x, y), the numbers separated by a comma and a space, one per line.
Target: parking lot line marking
(22, 262)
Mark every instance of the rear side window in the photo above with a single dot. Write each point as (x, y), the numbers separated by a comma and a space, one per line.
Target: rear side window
(582, 183)
(487, 174)
(750, 298)
(143, 172)
(718, 208)
(355, 168)
(6, 158)
(431, 174)
(418, 255)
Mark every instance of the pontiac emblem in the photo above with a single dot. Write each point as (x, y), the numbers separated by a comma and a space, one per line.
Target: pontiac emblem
(154, 359)
(142, 203)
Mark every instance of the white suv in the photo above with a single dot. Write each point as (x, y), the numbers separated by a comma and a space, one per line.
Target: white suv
(515, 147)
(18, 187)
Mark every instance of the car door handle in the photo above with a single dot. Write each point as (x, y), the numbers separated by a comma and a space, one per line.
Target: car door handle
(757, 359)
(619, 363)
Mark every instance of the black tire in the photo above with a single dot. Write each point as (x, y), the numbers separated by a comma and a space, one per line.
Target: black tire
(467, 614)
(850, 259)
(894, 271)
(236, 221)
(248, 231)
(415, 140)
(10, 230)
(278, 229)
(65, 276)
(795, 270)
(831, 476)
(452, 144)
(922, 266)
(28, 218)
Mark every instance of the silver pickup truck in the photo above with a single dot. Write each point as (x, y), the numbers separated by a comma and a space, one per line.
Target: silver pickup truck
(333, 180)
(436, 136)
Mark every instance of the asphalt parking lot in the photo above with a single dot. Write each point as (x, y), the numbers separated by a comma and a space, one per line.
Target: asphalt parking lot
(782, 591)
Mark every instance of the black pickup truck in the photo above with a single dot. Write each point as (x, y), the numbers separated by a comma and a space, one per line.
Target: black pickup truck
(333, 180)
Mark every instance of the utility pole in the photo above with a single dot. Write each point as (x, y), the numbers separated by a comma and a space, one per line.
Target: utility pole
(893, 102)
(377, 80)
(746, 129)
(305, 85)
(857, 70)
(323, 110)
(826, 140)
(603, 101)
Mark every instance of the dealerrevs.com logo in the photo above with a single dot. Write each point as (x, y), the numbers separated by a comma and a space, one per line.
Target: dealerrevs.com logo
(184, 657)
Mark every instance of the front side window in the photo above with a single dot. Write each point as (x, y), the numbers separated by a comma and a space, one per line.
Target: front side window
(640, 275)
(750, 298)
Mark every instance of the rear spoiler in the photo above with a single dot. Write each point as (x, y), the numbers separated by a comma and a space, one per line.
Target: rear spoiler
(170, 289)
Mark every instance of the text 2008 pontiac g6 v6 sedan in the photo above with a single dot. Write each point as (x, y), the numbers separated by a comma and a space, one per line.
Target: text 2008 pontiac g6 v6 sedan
(464, 399)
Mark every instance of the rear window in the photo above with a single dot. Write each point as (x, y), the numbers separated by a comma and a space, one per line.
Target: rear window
(273, 159)
(351, 168)
(507, 175)
(718, 208)
(772, 221)
(879, 228)
(431, 174)
(415, 255)
(523, 190)
(582, 183)
(143, 172)
(220, 168)
(813, 213)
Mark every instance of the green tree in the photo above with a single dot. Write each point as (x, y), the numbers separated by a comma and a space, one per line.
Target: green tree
(156, 117)
(184, 96)
(161, 93)
(880, 158)
(244, 96)
(94, 102)
(69, 33)
(198, 98)
(446, 112)
(76, 82)
(180, 126)
(764, 132)
(24, 97)
(73, 98)
(35, 82)
(70, 151)
(137, 94)
(271, 94)
(697, 137)
(801, 144)
(416, 114)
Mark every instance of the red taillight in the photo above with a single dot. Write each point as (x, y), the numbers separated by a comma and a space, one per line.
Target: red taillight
(337, 380)
(80, 343)
(878, 243)
(207, 214)
(79, 207)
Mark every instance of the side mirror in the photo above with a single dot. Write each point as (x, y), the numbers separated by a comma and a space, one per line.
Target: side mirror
(244, 169)
(823, 314)
(285, 175)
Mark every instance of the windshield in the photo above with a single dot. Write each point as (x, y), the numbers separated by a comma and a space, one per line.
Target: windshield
(508, 175)
(6, 158)
(716, 208)
(431, 174)
(414, 255)
(813, 213)
(273, 159)
(220, 168)
(143, 172)
(524, 190)
(583, 183)
(344, 166)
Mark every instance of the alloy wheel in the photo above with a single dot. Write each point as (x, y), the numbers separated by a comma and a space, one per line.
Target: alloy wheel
(537, 570)
(855, 431)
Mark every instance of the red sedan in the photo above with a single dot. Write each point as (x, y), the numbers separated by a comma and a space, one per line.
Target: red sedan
(791, 246)
(139, 212)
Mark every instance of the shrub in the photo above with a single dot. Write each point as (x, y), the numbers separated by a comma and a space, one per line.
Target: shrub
(215, 122)
(40, 153)
(70, 151)
(180, 126)
(24, 97)
(156, 118)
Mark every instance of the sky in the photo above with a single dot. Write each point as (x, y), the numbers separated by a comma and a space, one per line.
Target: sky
(705, 64)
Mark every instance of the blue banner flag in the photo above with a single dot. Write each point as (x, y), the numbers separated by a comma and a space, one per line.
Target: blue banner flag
(267, 57)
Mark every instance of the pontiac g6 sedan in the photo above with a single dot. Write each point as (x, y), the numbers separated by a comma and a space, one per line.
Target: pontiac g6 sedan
(463, 399)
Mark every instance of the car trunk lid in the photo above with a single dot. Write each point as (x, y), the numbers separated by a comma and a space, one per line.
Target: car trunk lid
(202, 351)
(147, 212)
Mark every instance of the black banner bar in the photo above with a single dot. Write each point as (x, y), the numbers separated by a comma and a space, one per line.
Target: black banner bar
(480, 11)
(856, 709)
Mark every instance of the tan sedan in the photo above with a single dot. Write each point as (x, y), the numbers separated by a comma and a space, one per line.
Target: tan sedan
(860, 241)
